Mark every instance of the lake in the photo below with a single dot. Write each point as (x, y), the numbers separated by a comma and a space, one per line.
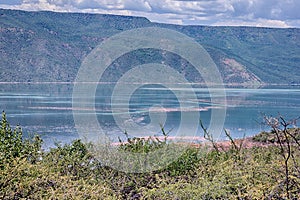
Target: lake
(47, 109)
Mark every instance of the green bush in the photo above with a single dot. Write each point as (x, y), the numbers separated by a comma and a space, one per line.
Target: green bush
(28, 173)
(24, 180)
(12, 144)
(73, 159)
(271, 137)
(185, 164)
(71, 171)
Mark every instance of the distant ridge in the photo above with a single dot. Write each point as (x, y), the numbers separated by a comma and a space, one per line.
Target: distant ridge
(49, 46)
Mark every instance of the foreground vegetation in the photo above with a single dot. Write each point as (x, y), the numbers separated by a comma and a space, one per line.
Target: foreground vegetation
(72, 172)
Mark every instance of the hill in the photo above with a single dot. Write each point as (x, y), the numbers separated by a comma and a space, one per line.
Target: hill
(49, 46)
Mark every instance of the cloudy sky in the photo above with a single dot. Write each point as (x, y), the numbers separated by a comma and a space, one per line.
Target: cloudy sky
(267, 13)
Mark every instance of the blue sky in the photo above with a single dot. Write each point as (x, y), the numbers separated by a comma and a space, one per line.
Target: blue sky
(266, 13)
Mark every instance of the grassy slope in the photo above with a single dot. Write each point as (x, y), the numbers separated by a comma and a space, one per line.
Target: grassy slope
(47, 46)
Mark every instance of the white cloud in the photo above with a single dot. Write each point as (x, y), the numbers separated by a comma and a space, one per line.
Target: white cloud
(258, 23)
(274, 13)
(11, 2)
(139, 5)
(268, 9)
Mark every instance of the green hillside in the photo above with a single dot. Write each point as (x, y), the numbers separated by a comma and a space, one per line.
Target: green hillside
(49, 46)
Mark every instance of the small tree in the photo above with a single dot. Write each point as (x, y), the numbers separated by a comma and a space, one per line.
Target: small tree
(12, 145)
(288, 144)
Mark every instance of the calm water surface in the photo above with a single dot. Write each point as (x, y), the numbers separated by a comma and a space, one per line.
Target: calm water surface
(46, 109)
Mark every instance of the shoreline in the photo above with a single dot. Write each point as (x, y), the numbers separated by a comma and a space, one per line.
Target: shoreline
(247, 142)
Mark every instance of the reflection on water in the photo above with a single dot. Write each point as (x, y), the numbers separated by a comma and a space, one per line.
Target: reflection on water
(47, 108)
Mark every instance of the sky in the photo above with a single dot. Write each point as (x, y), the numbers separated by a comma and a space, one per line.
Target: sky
(260, 13)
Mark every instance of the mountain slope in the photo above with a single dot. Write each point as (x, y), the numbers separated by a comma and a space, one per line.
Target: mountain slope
(48, 46)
